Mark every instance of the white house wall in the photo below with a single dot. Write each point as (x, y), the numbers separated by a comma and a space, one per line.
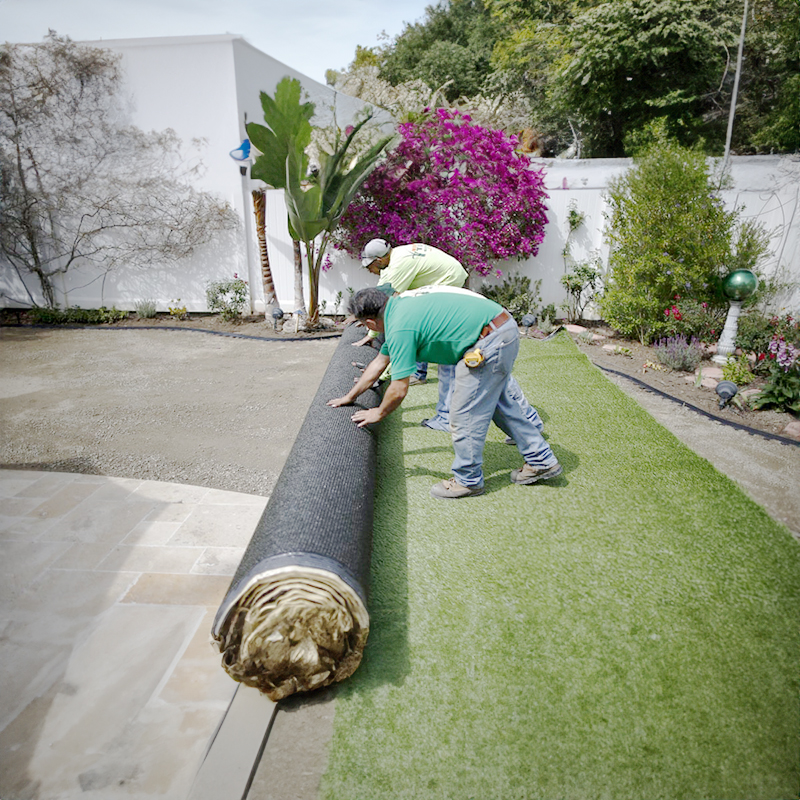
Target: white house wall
(202, 87)
(766, 188)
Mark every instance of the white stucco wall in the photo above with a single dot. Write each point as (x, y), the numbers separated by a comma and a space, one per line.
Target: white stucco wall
(203, 87)
(766, 188)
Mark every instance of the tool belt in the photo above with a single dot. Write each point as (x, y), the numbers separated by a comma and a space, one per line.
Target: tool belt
(473, 357)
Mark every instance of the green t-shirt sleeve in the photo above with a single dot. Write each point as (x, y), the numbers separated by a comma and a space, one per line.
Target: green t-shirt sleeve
(404, 354)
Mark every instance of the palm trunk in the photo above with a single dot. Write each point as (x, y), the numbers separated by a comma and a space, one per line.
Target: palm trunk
(299, 299)
(260, 211)
(313, 284)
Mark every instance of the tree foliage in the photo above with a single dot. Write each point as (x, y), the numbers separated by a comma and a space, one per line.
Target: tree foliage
(451, 48)
(455, 185)
(81, 186)
(593, 74)
(633, 61)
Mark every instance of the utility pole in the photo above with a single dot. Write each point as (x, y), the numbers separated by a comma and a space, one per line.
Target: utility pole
(732, 112)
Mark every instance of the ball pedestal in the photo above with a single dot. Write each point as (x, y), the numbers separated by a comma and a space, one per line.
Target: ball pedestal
(738, 286)
(727, 340)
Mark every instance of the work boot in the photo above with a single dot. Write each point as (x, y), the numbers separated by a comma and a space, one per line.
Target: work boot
(529, 474)
(453, 489)
(415, 381)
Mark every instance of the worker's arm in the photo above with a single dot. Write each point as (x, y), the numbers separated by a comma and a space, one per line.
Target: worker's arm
(371, 335)
(394, 395)
(372, 372)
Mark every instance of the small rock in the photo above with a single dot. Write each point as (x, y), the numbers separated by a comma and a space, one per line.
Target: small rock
(610, 347)
(290, 325)
(710, 383)
(710, 372)
(575, 328)
(792, 431)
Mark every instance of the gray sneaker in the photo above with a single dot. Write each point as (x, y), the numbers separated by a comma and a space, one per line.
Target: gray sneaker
(415, 381)
(434, 425)
(529, 474)
(453, 489)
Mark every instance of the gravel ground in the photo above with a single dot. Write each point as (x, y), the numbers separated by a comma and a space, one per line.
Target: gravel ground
(158, 405)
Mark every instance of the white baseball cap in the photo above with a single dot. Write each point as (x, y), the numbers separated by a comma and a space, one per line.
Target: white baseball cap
(375, 248)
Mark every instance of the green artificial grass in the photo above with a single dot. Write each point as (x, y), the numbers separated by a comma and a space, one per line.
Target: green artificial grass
(629, 630)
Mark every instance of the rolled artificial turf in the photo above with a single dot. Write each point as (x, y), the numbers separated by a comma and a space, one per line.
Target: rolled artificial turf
(628, 630)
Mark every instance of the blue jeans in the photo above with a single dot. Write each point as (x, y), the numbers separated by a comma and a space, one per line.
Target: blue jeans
(441, 419)
(489, 393)
(422, 370)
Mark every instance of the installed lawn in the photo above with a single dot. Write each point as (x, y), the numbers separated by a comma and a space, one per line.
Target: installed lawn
(630, 630)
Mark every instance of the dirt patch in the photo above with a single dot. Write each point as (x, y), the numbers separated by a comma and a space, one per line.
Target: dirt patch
(181, 406)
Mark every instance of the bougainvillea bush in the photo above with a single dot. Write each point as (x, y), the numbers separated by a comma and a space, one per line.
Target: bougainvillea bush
(455, 185)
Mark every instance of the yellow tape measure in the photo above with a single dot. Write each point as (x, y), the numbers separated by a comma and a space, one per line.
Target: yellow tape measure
(474, 358)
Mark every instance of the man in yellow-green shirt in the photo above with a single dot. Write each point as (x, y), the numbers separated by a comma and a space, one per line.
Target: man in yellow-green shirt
(413, 266)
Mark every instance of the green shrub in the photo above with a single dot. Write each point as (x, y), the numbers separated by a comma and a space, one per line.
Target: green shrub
(678, 353)
(670, 236)
(145, 309)
(782, 390)
(756, 331)
(227, 297)
(582, 287)
(738, 371)
(516, 295)
(178, 312)
(691, 318)
(75, 315)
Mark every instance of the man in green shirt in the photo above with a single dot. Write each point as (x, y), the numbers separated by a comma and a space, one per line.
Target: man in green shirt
(451, 326)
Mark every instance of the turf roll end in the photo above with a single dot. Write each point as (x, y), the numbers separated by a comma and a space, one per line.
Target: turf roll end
(293, 629)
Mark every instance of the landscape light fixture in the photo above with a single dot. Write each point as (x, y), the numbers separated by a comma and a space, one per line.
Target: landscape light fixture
(726, 391)
(242, 155)
(738, 286)
(277, 316)
(528, 321)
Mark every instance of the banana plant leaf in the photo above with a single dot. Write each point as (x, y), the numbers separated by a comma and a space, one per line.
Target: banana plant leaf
(289, 125)
(318, 207)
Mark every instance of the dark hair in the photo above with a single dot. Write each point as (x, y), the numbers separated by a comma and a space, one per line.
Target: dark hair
(368, 303)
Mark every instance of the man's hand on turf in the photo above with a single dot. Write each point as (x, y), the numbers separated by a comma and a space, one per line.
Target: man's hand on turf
(367, 417)
(340, 401)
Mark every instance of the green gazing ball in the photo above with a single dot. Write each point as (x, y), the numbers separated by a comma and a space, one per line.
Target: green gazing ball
(740, 284)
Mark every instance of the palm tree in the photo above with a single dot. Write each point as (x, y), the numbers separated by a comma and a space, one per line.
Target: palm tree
(315, 201)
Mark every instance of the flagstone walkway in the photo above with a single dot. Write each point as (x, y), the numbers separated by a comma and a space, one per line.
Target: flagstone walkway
(108, 590)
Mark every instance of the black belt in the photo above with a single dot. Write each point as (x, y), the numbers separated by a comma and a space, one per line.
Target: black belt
(499, 320)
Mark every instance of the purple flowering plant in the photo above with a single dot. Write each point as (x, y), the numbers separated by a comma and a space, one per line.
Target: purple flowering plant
(455, 185)
(782, 390)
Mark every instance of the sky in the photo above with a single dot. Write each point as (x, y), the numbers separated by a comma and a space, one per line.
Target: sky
(309, 35)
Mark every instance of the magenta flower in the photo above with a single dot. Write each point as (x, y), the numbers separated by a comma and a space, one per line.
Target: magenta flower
(455, 185)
